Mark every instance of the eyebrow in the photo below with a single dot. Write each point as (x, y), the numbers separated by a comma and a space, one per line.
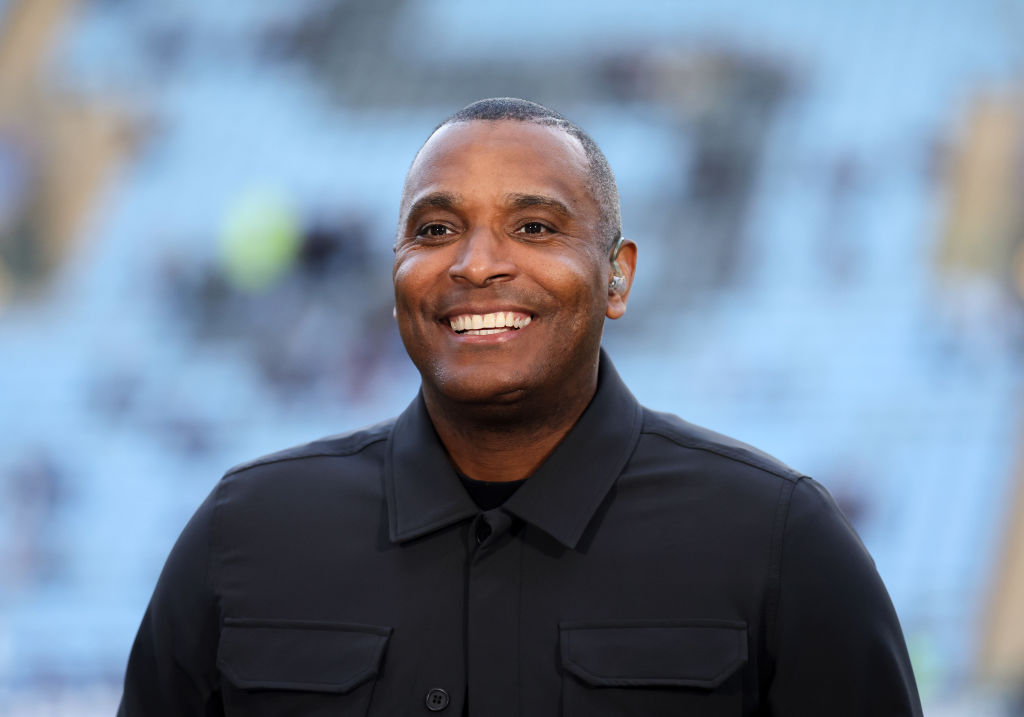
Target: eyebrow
(529, 201)
(435, 200)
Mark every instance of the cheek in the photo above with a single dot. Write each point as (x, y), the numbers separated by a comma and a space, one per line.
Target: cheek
(412, 275)
(579, 283)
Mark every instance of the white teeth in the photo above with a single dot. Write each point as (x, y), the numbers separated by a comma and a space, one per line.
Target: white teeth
(476, 324)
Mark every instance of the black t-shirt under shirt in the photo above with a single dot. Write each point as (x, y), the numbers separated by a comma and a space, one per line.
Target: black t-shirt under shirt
(489, 494)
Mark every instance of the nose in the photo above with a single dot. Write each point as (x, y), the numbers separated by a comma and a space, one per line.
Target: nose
(483, 257)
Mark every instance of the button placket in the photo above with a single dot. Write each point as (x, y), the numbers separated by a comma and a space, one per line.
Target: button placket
(493, 615)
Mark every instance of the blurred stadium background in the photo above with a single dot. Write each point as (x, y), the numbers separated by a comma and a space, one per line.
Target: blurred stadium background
(197, 205)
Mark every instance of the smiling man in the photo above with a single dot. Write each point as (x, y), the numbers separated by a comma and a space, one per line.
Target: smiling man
(525, 539)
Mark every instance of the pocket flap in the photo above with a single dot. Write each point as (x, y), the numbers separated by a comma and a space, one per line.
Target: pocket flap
(651, 653)
(300, 655)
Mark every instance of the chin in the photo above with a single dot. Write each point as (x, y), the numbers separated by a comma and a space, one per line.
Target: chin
(466, 388)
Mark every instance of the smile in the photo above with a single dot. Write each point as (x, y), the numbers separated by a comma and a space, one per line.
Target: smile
(494, 323)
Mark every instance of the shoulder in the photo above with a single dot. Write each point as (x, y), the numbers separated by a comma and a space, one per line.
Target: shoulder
(678, 438)
(805, 516)
(349, 444)
(332, 478)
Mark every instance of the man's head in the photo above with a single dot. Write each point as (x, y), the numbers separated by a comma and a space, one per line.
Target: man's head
(508, 215)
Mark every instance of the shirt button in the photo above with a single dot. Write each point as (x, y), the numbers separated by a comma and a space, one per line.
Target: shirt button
(437, 699)
(483, 531)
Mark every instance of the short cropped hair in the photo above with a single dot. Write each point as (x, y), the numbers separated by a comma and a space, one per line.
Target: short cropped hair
(600, 180)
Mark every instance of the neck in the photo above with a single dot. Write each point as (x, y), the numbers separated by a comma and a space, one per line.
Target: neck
(501, 443)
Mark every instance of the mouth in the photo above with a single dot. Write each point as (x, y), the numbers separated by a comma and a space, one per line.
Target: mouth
(492, 323)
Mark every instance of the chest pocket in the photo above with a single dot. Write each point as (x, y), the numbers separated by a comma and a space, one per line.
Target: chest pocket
(652, 667)
(275, 667)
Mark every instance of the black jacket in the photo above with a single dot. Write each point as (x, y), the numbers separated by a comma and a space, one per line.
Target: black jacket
(648, 567)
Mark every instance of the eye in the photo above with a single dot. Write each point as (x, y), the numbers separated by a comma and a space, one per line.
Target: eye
(434, 231)
(534, 228)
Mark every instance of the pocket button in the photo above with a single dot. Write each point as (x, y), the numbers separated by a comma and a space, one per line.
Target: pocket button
(437, 699)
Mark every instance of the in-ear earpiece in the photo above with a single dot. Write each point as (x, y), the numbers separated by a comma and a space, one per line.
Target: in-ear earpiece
(613, 256)
(617, 284)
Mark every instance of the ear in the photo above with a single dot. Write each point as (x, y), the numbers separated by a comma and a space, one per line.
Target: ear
(626, 261)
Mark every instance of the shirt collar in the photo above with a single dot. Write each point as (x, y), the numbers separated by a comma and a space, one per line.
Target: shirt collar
(424, 493)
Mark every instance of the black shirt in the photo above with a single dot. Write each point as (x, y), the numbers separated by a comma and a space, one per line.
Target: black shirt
(648, 567)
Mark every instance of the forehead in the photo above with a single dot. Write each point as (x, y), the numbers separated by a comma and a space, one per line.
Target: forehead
(491, 159)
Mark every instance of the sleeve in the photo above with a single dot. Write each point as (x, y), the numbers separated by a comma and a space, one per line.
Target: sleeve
(836, 642)
(172, 666)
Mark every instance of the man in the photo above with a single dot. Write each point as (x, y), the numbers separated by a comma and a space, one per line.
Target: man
(525, 539)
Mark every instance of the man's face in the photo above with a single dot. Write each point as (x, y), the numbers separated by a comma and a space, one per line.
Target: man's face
(501, 278)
